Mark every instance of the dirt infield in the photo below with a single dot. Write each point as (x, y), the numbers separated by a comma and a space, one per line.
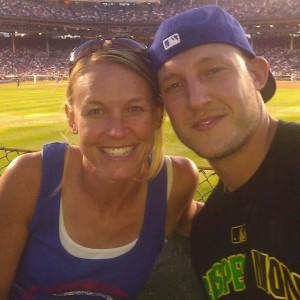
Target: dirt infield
(288, 84)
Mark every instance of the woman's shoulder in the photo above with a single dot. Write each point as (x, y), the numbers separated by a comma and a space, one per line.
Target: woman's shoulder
(20, 183)
(181, 207)
(184, 169)
(25, 166)
(185, 179)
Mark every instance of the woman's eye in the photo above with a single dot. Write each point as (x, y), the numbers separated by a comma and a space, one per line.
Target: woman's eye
(96, 112)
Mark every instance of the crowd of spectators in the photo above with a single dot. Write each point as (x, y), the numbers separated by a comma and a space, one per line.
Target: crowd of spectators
(147, 12)
(28, 61)
(283, 62)
(33, 57)
(30, 57)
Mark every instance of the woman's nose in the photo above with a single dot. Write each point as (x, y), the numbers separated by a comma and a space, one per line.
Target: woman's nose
(116, 127)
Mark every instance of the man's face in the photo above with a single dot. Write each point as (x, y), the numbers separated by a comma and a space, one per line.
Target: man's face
(210, 94)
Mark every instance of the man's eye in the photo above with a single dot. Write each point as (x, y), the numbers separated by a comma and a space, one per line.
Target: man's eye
(135, 109)
(173, 87)
(215, 70)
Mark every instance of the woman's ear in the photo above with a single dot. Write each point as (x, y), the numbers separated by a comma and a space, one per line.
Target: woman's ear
(259, 70)
(70, 116)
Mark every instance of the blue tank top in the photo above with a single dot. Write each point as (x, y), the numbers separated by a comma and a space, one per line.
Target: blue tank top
(48, 271)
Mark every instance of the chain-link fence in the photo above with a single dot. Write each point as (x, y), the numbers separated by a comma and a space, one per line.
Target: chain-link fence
(7, 155)
(207, 181)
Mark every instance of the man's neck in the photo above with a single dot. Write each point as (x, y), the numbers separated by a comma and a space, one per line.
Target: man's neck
(236, 169)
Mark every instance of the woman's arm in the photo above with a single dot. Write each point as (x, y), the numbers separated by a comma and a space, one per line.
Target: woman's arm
(181, 206)
(19, 187)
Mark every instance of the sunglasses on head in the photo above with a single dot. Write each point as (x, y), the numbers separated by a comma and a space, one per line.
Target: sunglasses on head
(92, 46)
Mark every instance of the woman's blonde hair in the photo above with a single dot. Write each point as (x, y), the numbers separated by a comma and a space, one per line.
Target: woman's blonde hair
(138, 63)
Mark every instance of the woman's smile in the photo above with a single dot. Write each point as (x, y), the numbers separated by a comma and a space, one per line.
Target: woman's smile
(118, 152)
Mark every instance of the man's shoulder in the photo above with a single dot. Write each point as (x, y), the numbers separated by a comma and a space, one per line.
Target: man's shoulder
(291, 129)
(286, 144)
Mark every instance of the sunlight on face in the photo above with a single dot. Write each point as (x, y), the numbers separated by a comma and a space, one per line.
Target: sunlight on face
(116, 118)
(211, 99)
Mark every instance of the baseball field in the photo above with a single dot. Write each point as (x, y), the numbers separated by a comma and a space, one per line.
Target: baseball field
(32, 114)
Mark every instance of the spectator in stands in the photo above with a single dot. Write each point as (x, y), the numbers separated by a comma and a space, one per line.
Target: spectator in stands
(91, 219)
(246, 240)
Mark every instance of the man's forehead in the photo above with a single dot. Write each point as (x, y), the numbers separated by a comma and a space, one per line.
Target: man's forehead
(212, 49)
(199, 54)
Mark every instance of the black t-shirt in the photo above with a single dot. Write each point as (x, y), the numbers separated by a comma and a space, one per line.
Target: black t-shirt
(246, 244)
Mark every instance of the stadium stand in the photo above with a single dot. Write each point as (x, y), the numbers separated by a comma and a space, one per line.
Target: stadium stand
(143, 12)
(37, 35)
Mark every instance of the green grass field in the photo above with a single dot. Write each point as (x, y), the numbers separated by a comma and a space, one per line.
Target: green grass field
(31, 115)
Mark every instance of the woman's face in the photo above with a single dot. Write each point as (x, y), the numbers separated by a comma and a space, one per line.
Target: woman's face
(116, 119)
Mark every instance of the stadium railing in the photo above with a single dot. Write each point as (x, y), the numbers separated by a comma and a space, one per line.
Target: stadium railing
(207, 181)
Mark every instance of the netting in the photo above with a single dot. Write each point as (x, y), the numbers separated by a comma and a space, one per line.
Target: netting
(207, 181)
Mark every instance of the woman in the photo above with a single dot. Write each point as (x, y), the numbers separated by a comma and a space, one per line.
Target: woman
(90, 220)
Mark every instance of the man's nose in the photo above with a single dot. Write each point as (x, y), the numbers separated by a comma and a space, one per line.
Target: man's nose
(198, 94)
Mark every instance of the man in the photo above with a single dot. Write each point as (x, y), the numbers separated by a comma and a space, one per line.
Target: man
(246, 241)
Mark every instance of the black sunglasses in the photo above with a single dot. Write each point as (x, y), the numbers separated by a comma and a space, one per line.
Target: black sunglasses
(92, 46)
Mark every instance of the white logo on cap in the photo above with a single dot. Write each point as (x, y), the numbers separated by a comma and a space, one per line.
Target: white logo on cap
(171, 41)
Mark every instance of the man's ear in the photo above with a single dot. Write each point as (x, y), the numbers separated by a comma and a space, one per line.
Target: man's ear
(259, 70)
(71, 119)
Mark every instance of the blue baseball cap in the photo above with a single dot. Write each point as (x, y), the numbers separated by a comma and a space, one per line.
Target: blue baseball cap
(199, 26)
